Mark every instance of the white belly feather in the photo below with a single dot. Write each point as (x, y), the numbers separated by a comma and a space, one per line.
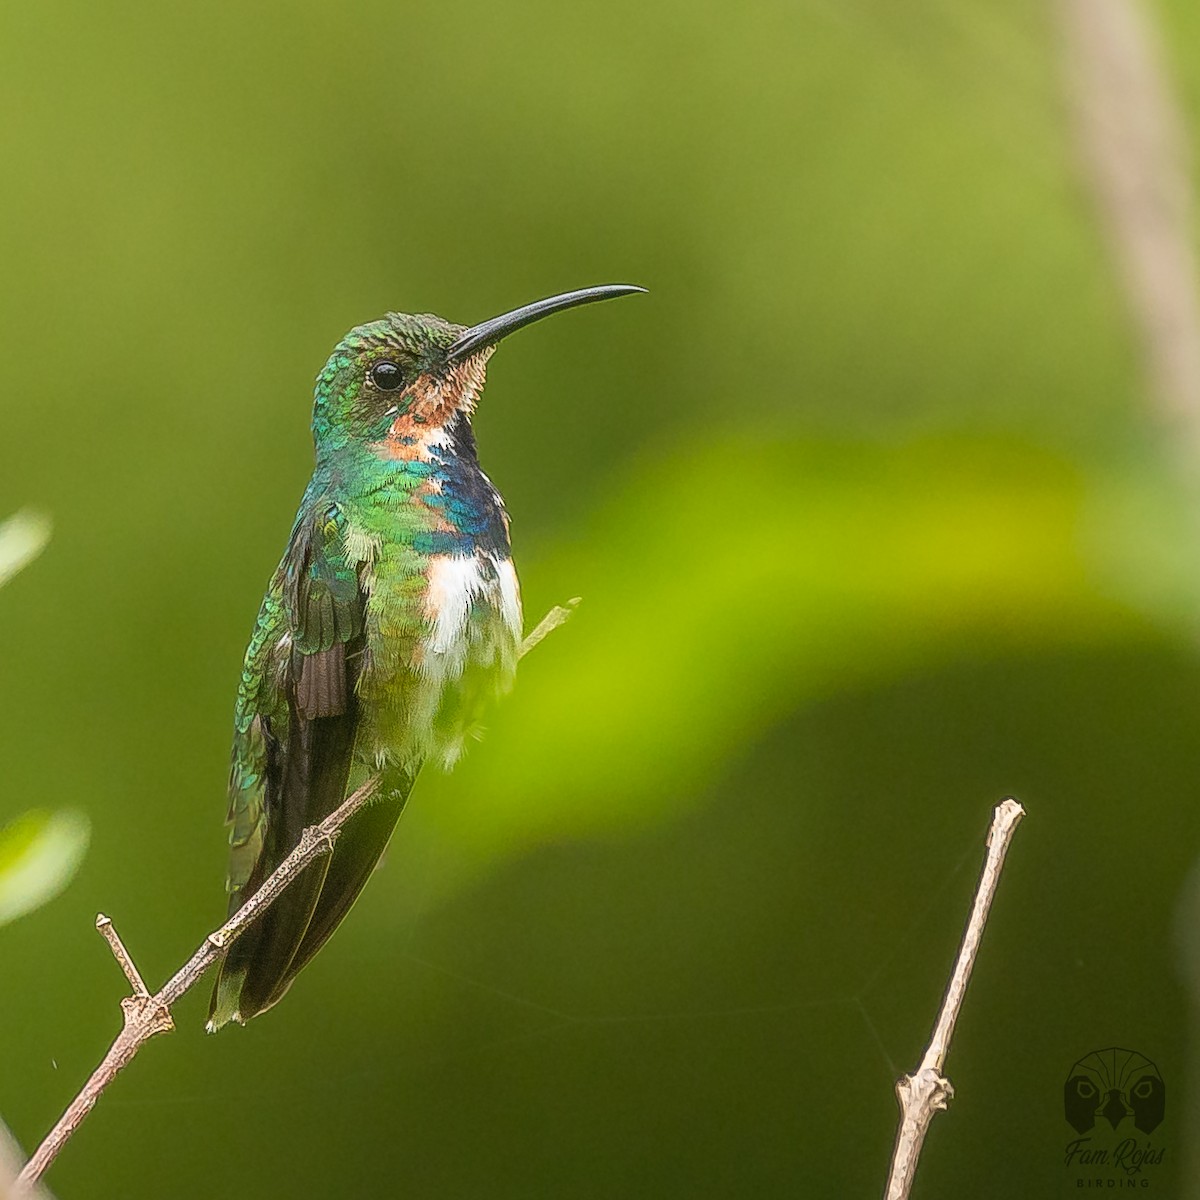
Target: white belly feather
(457, 582)
(426, 702)
(473, 606)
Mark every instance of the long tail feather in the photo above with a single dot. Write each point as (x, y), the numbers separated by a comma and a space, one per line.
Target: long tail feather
(360, 846)
(316, 765)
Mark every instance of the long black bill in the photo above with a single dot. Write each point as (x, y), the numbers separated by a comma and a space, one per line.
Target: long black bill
(488, 333)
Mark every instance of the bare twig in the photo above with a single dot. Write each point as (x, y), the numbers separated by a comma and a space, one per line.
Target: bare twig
(109, 932)
(558, 615)
(145, 1015)
(927, 1091)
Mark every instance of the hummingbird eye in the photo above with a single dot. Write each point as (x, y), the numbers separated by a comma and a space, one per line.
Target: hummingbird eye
(386, 376)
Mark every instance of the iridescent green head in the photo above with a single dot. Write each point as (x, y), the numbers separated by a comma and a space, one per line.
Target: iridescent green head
(417, 371)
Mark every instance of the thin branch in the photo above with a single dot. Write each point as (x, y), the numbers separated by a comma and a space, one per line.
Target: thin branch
(145, 1015)
(124, 960)
(927, 1091)
(558, 615)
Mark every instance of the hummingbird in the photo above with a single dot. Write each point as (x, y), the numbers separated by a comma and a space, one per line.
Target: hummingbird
(391, 622)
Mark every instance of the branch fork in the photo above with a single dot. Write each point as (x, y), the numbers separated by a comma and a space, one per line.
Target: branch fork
(140, 1008)
(145, 1015)
(926, 1089)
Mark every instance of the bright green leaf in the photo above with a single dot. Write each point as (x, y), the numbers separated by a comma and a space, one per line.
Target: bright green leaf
(39, 853)
(22, 538)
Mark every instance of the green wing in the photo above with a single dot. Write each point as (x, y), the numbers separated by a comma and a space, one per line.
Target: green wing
(293, 745)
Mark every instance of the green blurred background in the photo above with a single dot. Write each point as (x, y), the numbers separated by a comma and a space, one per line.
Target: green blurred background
(869, 521)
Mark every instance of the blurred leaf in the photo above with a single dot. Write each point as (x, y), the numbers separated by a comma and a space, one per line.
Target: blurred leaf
(735, 582)
(1141, 531)
(22, 538)
(39, 853)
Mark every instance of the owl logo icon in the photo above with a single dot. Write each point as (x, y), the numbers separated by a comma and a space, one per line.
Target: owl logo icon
(1113, 1086)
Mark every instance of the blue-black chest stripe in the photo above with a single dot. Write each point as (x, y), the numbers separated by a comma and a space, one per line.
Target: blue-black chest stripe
(467, 500)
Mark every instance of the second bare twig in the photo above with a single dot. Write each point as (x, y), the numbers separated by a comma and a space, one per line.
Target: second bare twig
(927, 1091)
